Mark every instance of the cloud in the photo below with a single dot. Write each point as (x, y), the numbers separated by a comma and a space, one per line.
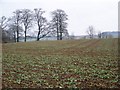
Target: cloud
(103, 14)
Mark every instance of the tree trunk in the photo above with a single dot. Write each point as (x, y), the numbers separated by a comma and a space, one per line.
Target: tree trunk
(57, 30)
(60, 30)
(60, 35)
(17, 34)
(25, 34)
(38, 34)
(14, 37)
(57, 34)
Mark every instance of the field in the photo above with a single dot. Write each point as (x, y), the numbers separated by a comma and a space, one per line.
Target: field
(60, 64)
(0, 66)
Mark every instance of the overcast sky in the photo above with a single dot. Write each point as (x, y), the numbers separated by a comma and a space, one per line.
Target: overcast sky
(102, 14)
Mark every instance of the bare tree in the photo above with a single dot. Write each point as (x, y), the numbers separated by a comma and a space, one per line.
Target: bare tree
(16, 21)
(0, 34)
(99, 34)
(12, 28)
(6, 33)
(43, 25)
(91, 32)
(59, 18)
(27, 18)
(3, 22)
(2, 26)
(7, 36)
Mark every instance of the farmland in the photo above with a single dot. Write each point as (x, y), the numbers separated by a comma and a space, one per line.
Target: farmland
(59, 64)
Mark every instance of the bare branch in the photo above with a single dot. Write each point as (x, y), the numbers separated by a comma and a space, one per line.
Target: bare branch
(27, 18)
(59, 18)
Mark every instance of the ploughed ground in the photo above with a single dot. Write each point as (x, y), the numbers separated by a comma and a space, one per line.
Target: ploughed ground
(58, 64)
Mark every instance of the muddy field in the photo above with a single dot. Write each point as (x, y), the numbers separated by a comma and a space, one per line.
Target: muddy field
(61, 64)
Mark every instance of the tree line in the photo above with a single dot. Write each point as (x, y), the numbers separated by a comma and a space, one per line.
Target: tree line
(24, 20)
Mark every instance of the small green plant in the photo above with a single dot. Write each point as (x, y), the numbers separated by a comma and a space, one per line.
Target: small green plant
(72, 63)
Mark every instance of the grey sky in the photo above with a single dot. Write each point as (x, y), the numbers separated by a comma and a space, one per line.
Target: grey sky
(102, 14)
